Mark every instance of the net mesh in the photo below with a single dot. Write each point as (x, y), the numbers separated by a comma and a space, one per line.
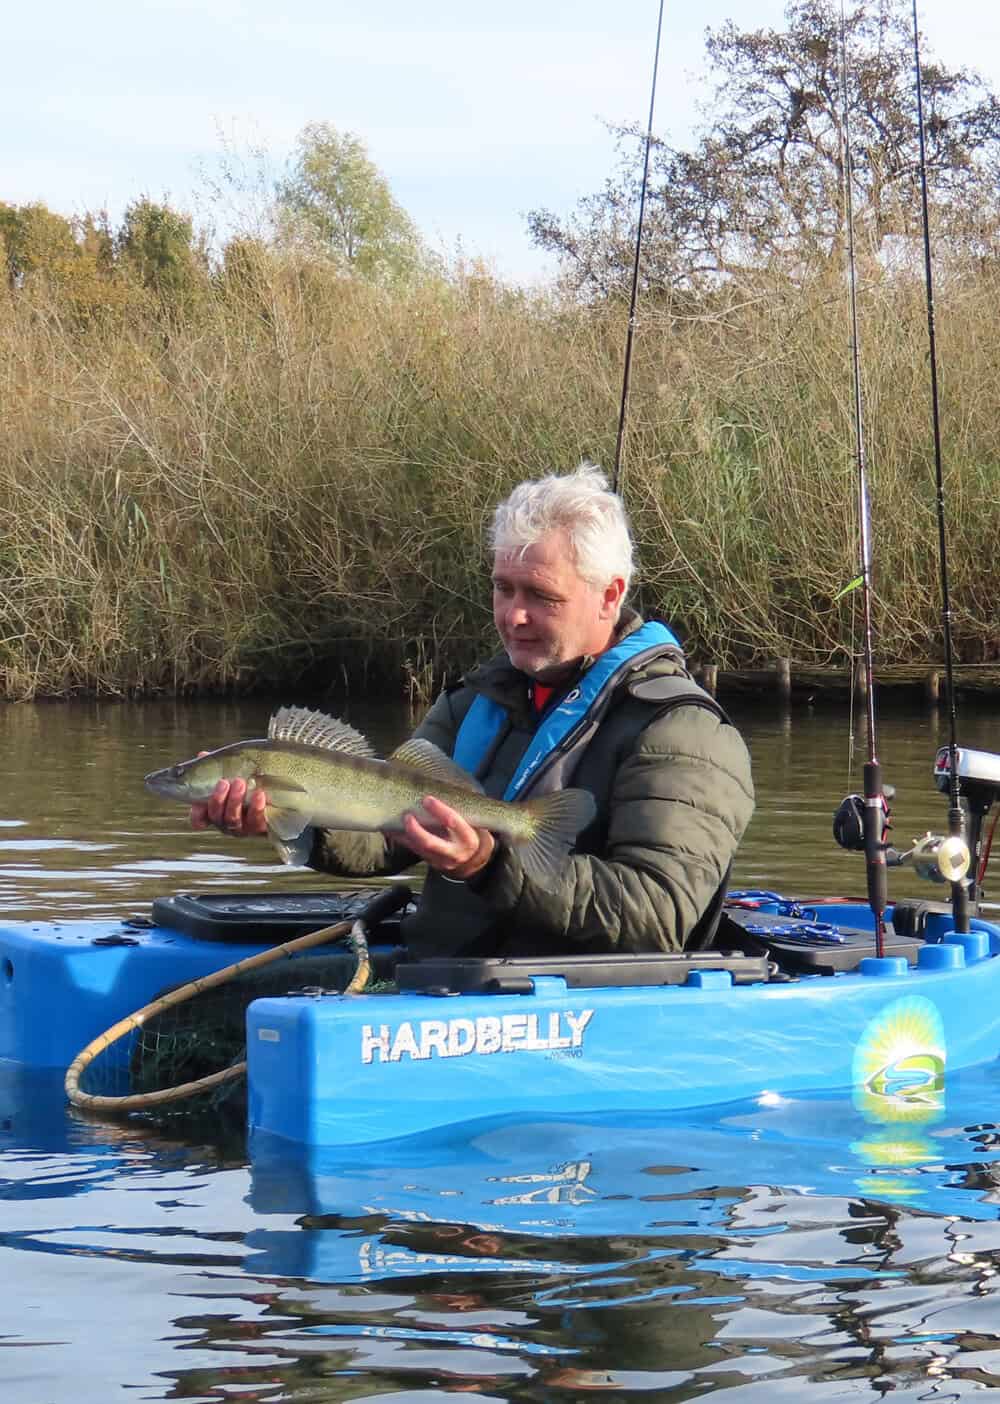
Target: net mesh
(207, 1034)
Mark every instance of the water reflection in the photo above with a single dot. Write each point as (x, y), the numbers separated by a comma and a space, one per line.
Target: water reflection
(776, 1243)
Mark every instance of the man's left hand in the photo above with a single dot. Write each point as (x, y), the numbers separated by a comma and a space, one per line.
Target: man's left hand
(453, 847)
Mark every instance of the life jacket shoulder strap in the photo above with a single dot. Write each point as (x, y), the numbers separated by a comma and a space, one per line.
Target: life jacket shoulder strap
(666, 693)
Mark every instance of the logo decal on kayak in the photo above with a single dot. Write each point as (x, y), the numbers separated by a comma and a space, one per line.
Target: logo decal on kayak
(489, 1033)
(899, 1061)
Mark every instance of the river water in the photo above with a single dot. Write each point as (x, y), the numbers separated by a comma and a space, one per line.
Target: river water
(749, 1254)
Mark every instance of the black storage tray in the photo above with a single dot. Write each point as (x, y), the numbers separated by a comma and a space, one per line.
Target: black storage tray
(800, 955)
(498, 976)
(909, 915)
(264, 917)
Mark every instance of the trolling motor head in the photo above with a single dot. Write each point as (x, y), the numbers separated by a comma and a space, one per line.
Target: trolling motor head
(977, 774)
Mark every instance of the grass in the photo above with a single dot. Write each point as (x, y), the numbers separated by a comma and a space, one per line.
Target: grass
(287, 479)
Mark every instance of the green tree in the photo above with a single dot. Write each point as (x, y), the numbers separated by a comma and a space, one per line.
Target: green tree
(765, 183)
(96, 241)
(75, 259)
(245, 278)
(336, 199)
(156, 244)
(34, 240)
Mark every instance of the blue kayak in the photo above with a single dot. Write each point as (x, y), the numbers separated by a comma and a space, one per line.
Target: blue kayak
(522, 1038)
(797, 1004)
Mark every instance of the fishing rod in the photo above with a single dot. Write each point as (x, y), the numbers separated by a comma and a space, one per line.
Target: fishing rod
(875, 815)
(862, 823)
(956, 814)
(633, 299)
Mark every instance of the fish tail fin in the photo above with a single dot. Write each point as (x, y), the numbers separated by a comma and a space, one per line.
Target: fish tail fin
(558, 819)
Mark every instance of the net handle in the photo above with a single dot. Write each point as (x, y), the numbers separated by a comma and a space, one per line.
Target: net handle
(136, 1101)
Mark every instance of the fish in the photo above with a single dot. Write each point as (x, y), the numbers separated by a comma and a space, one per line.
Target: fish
(318, 771)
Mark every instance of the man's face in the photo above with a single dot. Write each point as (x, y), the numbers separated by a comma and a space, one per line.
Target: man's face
(547, 616)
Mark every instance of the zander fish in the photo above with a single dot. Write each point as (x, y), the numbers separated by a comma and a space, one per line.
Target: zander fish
(319, 771)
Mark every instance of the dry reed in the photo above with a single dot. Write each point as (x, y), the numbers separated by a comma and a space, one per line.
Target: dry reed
(287, 481)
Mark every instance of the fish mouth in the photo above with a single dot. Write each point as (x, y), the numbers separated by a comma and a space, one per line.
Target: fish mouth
(161, 783)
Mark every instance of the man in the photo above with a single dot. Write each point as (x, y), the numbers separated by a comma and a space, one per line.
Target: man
(585, 694)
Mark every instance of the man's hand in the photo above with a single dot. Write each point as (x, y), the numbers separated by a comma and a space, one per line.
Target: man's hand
(229, 810)
(452, 846)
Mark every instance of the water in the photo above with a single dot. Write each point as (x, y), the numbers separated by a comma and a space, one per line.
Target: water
(749, 1255)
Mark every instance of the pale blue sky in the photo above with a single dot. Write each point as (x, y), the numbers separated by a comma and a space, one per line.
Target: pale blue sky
(475, 113)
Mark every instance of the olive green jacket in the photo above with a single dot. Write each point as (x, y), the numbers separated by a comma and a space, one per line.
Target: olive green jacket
(674, 795)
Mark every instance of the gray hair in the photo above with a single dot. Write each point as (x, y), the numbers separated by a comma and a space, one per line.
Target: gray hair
(582, 504)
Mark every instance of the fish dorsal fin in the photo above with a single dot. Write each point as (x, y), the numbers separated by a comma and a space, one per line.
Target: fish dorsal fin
(309, 728)
(431, 761)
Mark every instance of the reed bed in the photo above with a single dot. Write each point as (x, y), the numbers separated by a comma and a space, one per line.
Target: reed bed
(284, 481)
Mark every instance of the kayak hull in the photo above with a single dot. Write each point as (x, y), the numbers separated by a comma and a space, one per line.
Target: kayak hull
(342, 1070)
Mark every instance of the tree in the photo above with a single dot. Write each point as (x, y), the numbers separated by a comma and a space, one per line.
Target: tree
(33, 239)
(765, 183)
(337, 199)
(96, 241)
(156, 244)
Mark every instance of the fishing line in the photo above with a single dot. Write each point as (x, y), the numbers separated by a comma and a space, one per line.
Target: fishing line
(633, 299)
(875, 812)
(956, 815)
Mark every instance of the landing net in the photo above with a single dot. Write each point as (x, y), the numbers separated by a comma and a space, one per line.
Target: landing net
(184, 1054)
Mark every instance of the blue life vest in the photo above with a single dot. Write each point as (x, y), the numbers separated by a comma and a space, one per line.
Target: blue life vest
(568, 727)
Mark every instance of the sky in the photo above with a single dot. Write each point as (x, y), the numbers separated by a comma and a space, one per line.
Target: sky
(475, 113)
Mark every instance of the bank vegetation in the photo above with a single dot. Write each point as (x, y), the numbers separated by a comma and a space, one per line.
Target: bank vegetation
(284, 479)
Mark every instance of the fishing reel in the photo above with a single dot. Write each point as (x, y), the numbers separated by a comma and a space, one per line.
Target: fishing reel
(935, 857)
(939, 857)
(849, 821)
